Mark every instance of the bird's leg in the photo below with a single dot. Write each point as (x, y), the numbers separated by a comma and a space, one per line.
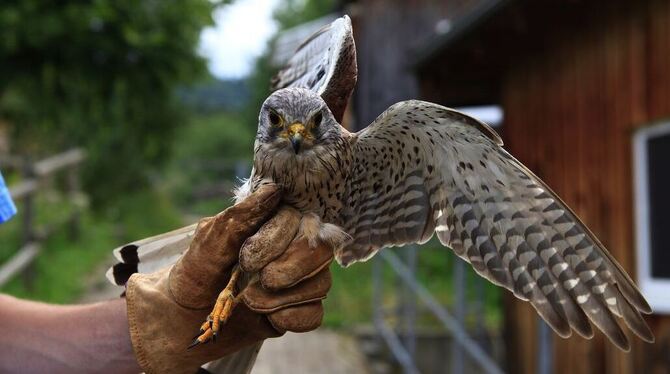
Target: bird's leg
(313, 229)
(223, 309)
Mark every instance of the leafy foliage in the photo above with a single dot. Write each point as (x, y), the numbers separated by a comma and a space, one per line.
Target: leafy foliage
(99, 74)
(216, 95)
(295, 12)
(66, 267)
(214, 150)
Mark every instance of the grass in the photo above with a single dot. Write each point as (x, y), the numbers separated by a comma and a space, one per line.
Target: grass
(64, 262)
(51, 210)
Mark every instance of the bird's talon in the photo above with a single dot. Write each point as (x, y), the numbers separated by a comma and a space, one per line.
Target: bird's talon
(193, 343)
(200, 339)
(223, 308)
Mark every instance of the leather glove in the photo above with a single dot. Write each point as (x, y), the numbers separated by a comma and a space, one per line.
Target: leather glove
(166, 308)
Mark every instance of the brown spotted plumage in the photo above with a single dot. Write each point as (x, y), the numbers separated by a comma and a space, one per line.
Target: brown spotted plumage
(420, 169)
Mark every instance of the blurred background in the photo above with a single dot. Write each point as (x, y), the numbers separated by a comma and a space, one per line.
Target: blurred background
(124, 119)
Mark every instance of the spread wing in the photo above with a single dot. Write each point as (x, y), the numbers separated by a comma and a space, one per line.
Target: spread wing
(422, 168)
(325, 63)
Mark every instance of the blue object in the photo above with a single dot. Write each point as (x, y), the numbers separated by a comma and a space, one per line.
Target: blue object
(7, 207)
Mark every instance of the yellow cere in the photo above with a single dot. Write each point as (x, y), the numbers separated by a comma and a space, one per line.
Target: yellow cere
(297, 129)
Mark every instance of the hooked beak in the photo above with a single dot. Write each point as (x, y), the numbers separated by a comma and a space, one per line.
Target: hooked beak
(296, 132)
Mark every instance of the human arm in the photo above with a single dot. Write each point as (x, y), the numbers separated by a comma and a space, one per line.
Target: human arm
(95, 338)
(39, 338)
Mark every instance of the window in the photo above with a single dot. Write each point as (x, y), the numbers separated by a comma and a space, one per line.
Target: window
(652, 206)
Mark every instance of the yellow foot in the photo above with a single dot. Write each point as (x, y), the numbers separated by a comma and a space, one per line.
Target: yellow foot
(223, 309)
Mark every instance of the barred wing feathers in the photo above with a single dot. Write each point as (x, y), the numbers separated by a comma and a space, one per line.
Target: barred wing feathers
(422, 168)
(324, 63)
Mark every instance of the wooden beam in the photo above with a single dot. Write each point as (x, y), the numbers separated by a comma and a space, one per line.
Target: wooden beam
(18, 262)
(23, 189)
(59, 161)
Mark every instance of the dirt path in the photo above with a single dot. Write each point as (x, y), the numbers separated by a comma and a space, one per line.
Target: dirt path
(321, 351)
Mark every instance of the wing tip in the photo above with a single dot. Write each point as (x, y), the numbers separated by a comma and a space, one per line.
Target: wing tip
(620, 340)
(333, 25)
(582, 326)
(340, 36)
(642, 305)
(645, 334)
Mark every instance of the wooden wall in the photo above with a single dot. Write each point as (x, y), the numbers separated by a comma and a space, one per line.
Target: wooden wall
(570, 113)
(387, 33)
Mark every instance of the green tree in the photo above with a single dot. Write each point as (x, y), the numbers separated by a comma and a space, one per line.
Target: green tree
(294, 12)
(99, 74)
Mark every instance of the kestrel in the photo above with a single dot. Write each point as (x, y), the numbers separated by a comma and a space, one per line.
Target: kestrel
(419, 169)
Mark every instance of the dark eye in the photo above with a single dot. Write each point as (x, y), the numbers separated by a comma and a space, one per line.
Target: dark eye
(317, 119)
(274, 118)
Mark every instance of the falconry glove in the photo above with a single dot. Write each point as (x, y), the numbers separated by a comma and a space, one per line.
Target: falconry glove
(285, 295)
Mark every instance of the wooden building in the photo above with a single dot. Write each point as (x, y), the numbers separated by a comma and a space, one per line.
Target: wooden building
(577, 80)
(388, 32)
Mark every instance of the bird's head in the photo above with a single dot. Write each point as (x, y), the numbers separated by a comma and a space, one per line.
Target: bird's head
(296, 120)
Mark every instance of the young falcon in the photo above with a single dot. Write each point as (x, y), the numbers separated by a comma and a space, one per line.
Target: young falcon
(419, 169)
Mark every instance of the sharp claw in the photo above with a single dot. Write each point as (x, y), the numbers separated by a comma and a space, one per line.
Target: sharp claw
(194, 343)
(224, 304)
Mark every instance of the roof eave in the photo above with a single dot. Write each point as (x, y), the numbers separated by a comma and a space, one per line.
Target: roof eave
(462, 26)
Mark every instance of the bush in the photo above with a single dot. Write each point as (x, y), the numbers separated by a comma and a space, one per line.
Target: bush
(100, 74)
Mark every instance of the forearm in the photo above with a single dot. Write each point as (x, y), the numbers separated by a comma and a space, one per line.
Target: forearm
(38, 338)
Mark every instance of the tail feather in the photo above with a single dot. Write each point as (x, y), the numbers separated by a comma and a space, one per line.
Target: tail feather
(150, 254)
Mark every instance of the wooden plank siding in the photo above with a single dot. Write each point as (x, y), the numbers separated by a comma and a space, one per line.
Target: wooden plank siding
(387, 32)
(570, 113)
(575, 79)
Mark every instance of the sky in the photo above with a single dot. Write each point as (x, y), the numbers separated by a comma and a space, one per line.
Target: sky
(240, 34)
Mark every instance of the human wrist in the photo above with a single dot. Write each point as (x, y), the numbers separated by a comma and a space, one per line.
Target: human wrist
(109, 343)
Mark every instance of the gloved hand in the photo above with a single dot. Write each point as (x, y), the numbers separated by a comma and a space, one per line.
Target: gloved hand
(165, 308)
